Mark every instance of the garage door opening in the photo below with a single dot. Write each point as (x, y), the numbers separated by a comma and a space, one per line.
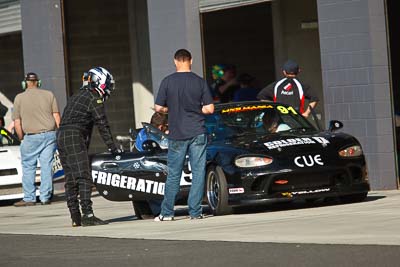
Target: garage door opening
(393, 12)
(241, 36)
(259, 37)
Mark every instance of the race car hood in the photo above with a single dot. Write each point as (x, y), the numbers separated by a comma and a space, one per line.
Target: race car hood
(283, 144)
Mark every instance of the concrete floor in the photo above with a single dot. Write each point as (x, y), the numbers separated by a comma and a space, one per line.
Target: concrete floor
(375, 221)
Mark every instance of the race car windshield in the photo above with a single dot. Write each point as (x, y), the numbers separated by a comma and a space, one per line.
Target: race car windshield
(260, 121)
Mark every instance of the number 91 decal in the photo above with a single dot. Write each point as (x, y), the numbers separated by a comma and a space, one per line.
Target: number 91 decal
(286, 110)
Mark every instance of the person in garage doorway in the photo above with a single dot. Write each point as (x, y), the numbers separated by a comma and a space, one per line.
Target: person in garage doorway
(246, 92)
(226, 84)
(290, 90)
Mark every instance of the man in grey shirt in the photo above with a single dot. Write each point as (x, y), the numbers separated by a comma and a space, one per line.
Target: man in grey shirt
(36, 118)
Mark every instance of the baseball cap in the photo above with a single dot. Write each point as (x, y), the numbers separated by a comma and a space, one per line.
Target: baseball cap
(31, 76)
(291, 67)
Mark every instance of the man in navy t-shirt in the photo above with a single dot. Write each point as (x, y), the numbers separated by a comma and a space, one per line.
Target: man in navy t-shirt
(186, 97)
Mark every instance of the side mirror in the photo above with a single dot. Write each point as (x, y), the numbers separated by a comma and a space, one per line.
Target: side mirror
(335, 125)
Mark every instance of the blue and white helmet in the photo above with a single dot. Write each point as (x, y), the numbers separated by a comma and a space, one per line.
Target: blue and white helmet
(101, 81)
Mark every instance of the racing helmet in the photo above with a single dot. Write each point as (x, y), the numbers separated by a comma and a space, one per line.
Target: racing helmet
(217, 71)
(101, 81)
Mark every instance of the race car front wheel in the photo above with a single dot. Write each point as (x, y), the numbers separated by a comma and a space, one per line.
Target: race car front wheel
(217, 191)
(142, 210)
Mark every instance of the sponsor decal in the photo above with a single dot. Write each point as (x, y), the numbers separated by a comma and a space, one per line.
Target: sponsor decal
(283, 92)
(305, 192)
(56, 163)
(136, 165)
(287, 194)
(288, 87)
(127, 182)
(309, 161)
(296, 141)
(287, 90)
(281, 109)
(239, 190)
(245, 108)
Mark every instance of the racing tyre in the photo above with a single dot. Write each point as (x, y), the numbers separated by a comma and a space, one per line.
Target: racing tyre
(354, 198)
(217, 191)
(142, 210)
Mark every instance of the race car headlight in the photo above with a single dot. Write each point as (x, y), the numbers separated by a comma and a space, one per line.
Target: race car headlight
(352, 151)
(253, 161)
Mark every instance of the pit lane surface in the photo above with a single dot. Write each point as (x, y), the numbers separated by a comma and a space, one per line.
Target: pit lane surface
(60, 251)
(303, 231)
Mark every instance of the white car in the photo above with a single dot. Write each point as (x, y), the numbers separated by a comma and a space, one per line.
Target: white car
(11, 170)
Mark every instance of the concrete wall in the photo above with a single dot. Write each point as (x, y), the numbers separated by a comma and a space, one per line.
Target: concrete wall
(356, 80)
(141, 61)
(42, 39)
(98, 35)
(173, 24)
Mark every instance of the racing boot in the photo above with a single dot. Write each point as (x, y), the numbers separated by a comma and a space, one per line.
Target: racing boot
(76, 219)
(91, 220)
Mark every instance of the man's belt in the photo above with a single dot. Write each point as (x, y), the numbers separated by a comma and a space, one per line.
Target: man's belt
(40, 132)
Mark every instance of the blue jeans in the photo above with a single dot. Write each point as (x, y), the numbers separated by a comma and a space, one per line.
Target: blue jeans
(33, 148)
(177, 150)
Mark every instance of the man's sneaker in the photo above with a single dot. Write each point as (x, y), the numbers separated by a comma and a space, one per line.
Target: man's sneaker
(23, 203)
(91, 220)
(76, 219)
(161, 218)
(199, 217)
(47, 202)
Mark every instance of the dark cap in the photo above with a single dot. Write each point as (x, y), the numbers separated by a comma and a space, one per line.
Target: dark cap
(245, 78)
(31, 76)
(291, 67)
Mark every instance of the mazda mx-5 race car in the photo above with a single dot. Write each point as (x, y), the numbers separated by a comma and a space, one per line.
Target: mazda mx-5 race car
(11, 169)
(247, 164)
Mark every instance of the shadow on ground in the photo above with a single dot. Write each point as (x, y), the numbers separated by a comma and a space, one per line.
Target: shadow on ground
(299, 204)
(183, 211)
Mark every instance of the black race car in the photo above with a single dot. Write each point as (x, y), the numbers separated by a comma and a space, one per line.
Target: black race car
(248, 161)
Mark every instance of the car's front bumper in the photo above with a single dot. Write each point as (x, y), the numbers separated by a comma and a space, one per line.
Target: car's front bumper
(267, 187)
(265, 198)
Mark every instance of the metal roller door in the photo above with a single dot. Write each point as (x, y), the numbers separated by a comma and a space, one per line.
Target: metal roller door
(10, 16)
(214, 5)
